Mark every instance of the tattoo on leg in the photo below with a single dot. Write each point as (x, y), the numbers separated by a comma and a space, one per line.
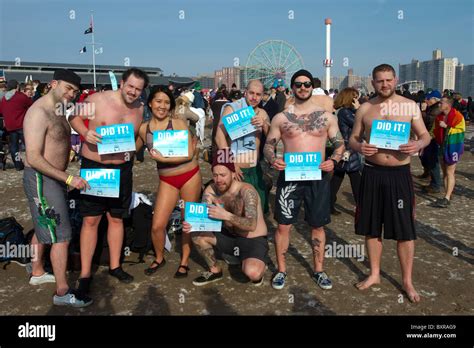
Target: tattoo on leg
(316, 243)
(208, 255)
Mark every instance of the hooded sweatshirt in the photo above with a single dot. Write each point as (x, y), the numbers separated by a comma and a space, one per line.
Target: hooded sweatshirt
(13, 107)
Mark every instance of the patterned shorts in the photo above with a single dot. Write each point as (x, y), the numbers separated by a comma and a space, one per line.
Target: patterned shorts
(47, 199)
(316, 195)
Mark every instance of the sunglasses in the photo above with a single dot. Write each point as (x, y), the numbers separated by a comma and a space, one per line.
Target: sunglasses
(306, 84)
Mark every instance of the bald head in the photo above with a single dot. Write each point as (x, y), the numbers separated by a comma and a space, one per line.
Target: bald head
(254, 93)
(255, 84)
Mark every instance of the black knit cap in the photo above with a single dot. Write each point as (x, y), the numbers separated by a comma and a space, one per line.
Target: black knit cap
(67, 76)
(302, 72)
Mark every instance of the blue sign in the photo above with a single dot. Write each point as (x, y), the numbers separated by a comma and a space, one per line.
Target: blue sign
(103, 182)
(237, 124)
(197, 216)
(302, 166)
(116, 138)
(389, 134)
(171, 143)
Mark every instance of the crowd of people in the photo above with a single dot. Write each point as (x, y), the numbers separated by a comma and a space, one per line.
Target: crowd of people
(303, 117)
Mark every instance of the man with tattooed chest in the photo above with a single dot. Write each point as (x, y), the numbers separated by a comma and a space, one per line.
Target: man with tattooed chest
(244, 232)
(304, 127)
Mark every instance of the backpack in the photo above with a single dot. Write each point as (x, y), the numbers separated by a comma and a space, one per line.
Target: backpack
(11, 233)
(138, 238)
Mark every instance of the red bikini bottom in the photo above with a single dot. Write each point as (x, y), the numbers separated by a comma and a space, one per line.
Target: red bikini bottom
(179, 180)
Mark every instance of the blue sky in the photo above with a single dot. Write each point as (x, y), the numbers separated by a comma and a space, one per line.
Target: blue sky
(213, 33)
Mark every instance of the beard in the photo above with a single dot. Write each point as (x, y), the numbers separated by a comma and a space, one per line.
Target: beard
(386, 94)
(302, 99)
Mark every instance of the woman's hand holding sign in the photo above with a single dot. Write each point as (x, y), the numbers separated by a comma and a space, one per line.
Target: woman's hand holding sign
(156, 155)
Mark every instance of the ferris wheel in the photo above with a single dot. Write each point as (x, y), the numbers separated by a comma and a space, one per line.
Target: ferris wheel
(273, 62)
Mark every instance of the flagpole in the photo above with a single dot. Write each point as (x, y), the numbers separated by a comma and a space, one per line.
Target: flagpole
(93, 47)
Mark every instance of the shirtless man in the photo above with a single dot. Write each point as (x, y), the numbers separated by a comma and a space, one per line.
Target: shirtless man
(243, 225)
(246, 149)
(48, 141)
(305, 127)
(110, 107)
(387, 173)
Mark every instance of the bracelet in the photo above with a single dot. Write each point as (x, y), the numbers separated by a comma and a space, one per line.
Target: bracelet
(69, 179)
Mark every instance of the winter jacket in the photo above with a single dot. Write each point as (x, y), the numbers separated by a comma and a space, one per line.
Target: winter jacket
(13, 107)
(345, 121)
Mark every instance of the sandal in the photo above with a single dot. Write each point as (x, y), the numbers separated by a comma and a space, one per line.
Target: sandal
(151, 270)
(179, 274)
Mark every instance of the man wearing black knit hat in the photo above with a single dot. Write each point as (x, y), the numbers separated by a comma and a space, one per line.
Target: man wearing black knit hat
(303, 127)
(244, 232)
(48, 141)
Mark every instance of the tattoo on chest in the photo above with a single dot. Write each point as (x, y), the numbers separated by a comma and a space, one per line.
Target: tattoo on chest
(305, 123)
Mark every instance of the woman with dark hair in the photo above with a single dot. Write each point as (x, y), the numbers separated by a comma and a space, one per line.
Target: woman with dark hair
(346, 104)
(179, 176)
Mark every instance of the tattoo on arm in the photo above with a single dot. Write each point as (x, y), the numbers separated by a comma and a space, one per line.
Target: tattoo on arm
(249, 221)
(269, 150)
(337, 140)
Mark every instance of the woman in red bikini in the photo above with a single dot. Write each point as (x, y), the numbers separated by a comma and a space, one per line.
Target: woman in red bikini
(179, 176)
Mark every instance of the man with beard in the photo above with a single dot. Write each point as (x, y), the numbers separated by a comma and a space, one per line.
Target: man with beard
(48, 140)
(243, 226)
(110, 107)
(245, 150)
(305, 127)
(386, 191)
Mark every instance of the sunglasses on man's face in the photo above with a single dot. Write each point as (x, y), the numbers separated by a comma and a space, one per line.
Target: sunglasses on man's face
(306, 84)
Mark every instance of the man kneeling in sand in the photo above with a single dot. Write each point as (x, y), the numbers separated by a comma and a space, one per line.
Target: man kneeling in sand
(243, 225)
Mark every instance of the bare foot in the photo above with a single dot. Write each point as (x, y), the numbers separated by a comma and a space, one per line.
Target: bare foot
(411, 293)
(368, 282)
